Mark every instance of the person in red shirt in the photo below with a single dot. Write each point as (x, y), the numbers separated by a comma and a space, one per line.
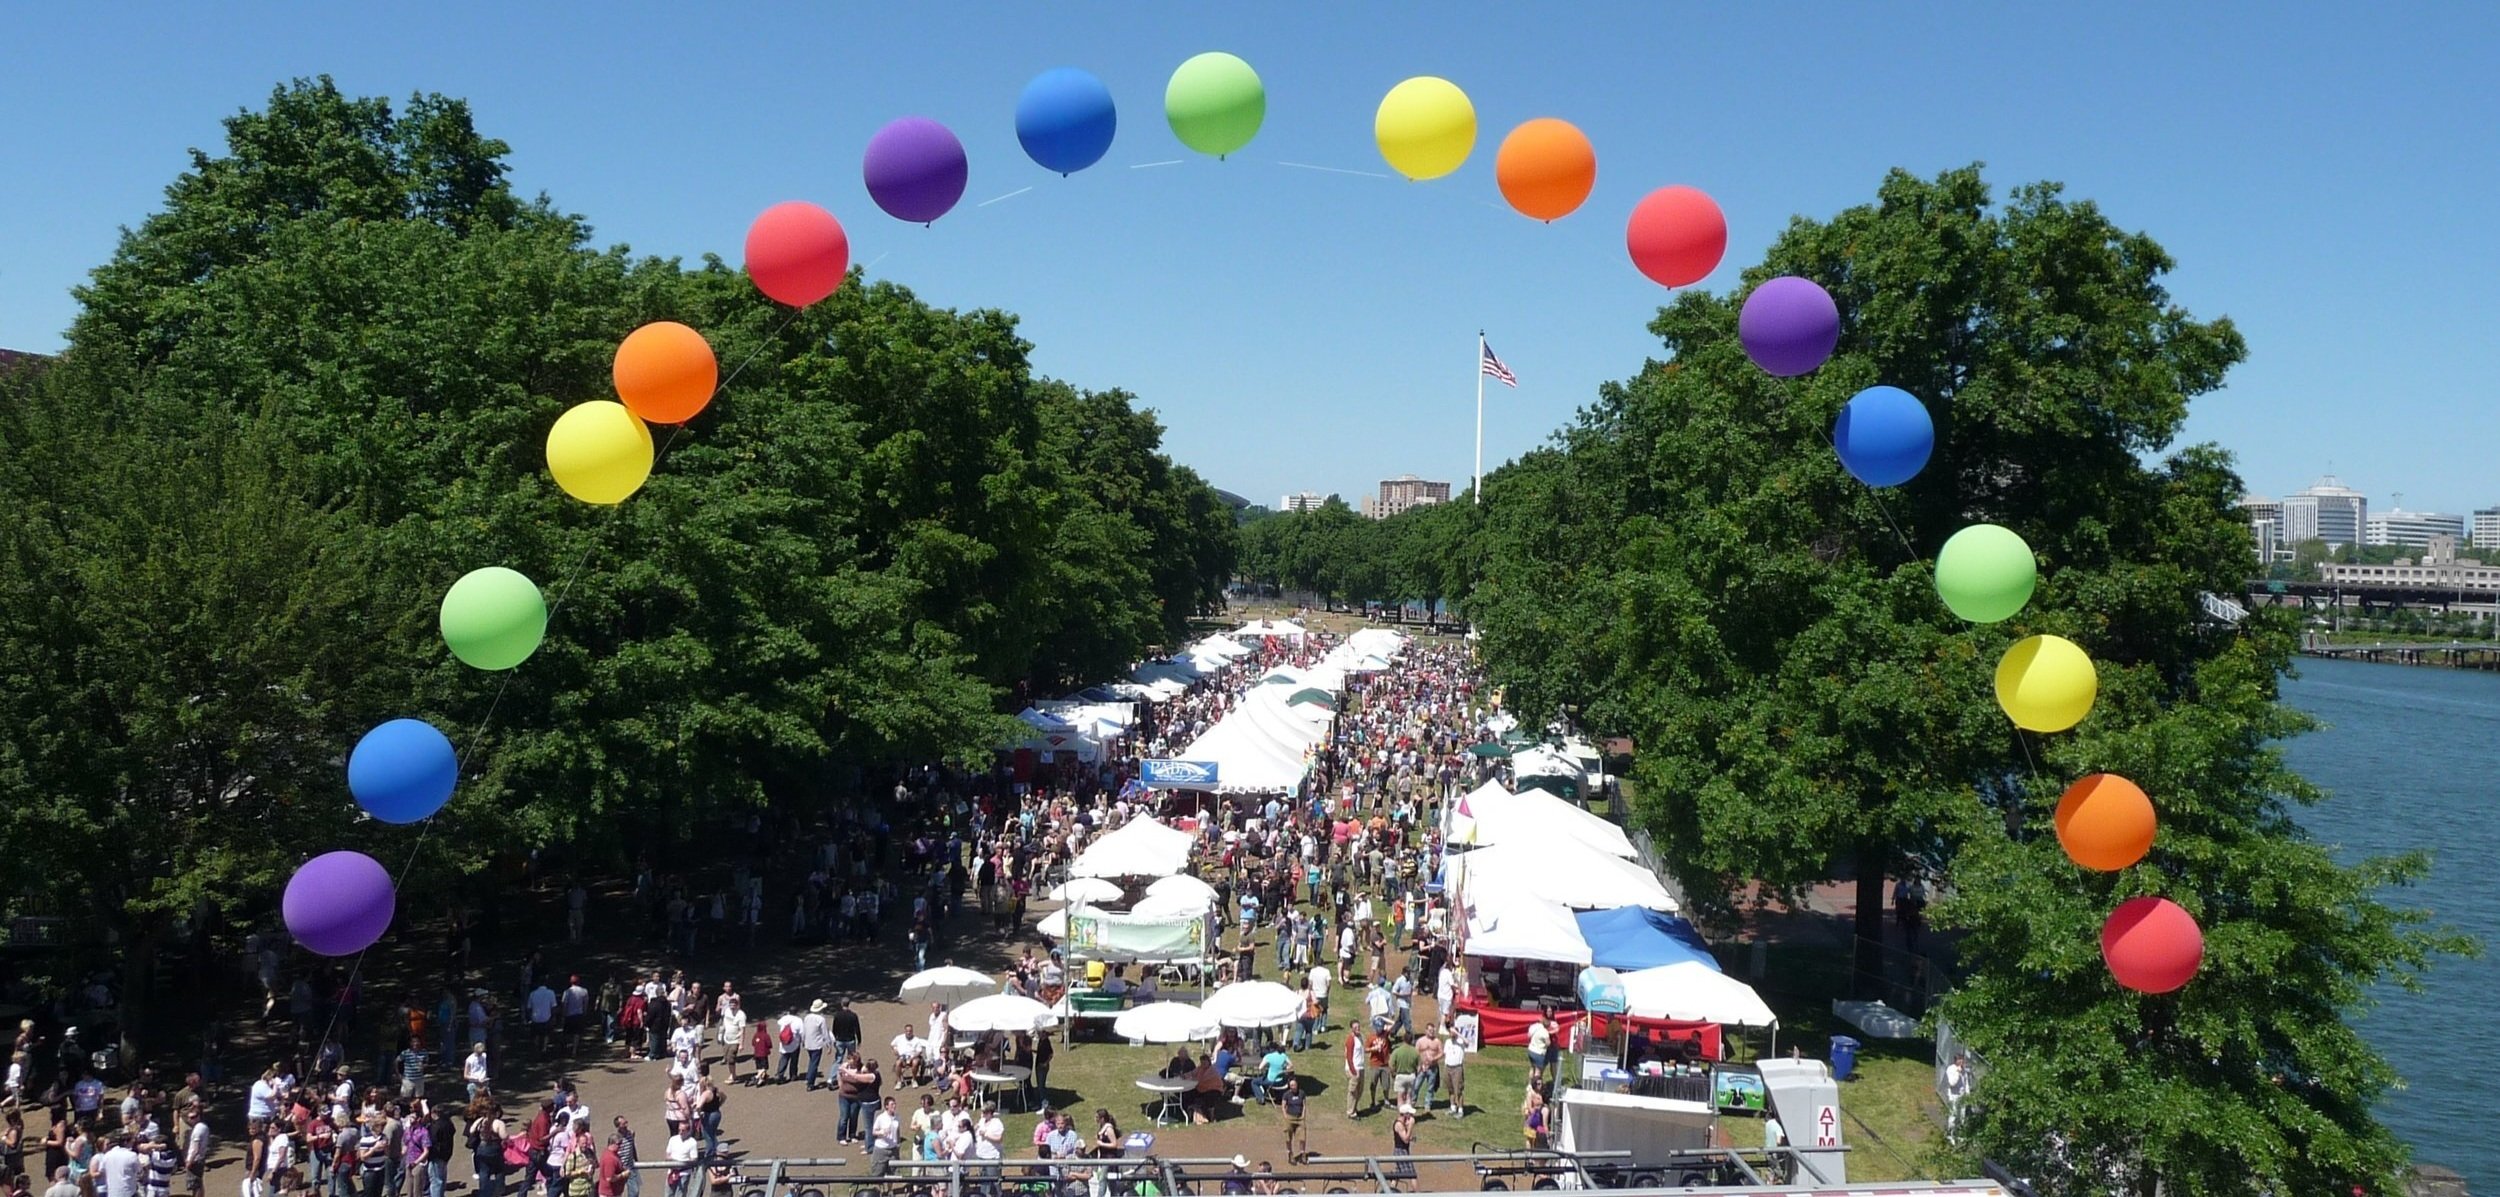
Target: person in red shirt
(611, 1179)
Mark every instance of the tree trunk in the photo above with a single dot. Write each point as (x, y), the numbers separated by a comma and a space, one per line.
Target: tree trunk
(1866, 959)
(138, 996)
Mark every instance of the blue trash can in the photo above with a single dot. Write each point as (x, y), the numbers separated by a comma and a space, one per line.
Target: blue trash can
(1844, 1057)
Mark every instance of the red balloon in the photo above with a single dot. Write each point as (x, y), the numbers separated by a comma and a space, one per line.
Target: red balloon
(797, 253)
(2152, 945)
(1677, 236)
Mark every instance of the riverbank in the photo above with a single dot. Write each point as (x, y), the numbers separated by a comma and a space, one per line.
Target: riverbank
(2482, 655)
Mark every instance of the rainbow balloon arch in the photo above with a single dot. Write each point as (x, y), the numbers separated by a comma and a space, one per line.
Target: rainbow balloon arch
(915, 169)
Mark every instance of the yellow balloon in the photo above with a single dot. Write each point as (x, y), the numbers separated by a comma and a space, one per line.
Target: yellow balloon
(599, 452)
(2046, 684)
(1426, 127)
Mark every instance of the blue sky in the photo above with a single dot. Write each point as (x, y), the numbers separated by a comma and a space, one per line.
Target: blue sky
(2322, 173)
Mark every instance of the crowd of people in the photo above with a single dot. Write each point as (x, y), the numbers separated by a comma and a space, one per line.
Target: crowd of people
(1325, 889)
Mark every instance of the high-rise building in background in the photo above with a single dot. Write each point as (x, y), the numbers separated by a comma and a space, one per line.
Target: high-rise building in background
(2265, 526)
(2411, 529)
(2328, 511)
(1403, 492)
(1302, 500)
(2486, 528)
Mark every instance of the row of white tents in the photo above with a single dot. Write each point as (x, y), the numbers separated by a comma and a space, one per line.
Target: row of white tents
(1265, 744)
(1520, 866)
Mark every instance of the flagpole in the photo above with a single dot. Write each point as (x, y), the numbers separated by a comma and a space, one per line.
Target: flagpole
(1478, 488)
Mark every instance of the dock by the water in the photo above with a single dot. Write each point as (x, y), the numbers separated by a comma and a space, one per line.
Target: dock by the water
(2452, 654)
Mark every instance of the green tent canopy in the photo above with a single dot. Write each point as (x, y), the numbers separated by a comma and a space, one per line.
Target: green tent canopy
(1320, 697)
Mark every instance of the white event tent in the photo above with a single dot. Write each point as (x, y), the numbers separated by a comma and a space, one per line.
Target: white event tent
(1142, 847)
(1532, 816)
(1694, 992)
(1519, 926)
(1558, 870)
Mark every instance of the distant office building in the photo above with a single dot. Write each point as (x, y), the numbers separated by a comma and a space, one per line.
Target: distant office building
(2328, 511)
(2466, 574)
(2265, 526)
(1302, 500)
(1403, 492)
(2412, 529)
(2486, 528)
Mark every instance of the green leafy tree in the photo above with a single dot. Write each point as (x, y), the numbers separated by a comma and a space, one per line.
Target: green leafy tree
(310, 393)
(1692, 566)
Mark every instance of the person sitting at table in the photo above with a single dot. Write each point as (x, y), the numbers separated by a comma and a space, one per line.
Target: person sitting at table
(911, 1058)
(985, 1053)
(1107, 1141)
(1269, 1082)
(1180, 1064)
(1209, 1092)
(1116, 984)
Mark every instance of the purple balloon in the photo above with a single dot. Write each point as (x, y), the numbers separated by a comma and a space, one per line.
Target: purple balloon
(915, 169)
(1789, 326)
(339, 903)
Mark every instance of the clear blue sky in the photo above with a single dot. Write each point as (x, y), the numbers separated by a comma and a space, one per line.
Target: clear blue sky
(2324, 175)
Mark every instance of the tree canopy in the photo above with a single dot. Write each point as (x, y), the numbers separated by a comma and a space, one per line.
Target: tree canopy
(313, 390)
(1691, 565)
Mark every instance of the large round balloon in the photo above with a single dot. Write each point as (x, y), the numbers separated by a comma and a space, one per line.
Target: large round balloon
(1884, 435)
(403, 770)
(2105, 822)
(1985, 573)
(1546, 169)
(1065, 119)
(915, 169)
(2046, 683)
(2152, 945)
(599, 452)
(797, 253)
(1789, 326)
(1215, 103)
(493, 618)
(338, 904)
(665, 372)
(1426, 127)
(1676, 236)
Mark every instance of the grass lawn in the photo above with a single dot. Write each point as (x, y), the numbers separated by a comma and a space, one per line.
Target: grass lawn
(1895, 1123)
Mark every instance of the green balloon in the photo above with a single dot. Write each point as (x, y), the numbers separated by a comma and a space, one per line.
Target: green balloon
(493, 618)
(1215, 103)
(1986, 573)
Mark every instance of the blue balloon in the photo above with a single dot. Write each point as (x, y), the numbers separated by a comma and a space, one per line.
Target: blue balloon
(1065, 119)
(402, 771)
(1884, 436)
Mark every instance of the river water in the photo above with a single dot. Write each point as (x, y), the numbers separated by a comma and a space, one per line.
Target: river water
(2410, 758)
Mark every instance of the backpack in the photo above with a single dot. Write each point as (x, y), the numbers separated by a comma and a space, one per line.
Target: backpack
(788, 1036)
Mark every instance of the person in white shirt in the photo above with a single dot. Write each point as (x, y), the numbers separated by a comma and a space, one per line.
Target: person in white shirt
(884, 1133)
(733, 1033)
(786, 1048)
(1454, 1073)
(815, 1034)
(542, 1008)
(473, 1070)
(122, 1169)
(910, 1058)
(988, 1141)
(684, 1180)
(1319, 989)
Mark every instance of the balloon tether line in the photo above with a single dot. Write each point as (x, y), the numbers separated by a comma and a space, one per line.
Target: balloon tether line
(460, 760)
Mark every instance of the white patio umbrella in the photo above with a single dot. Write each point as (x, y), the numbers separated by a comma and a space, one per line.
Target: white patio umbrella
(1078, 890)
(949, 984)
(1055, 924)
(1254, 1004)
(1165, 1022)
(1175, 904)
(1182, 883)
(1001, 1012)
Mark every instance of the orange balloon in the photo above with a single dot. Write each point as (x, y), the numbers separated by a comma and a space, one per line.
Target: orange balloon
(2105, 822)
(665, 372)
(1546, 168)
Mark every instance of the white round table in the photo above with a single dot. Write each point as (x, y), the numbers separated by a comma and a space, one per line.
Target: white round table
(1169, 1090)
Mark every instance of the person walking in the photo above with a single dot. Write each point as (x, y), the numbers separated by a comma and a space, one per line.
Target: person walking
(815, 1035)
(1296, 1145)
(885, 1133)
(845, 1028)
(786, 1044)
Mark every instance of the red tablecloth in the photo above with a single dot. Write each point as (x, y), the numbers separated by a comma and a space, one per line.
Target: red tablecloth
(1508, 1026)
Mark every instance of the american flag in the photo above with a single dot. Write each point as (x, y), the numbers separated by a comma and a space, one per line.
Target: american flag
(1493, 366)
